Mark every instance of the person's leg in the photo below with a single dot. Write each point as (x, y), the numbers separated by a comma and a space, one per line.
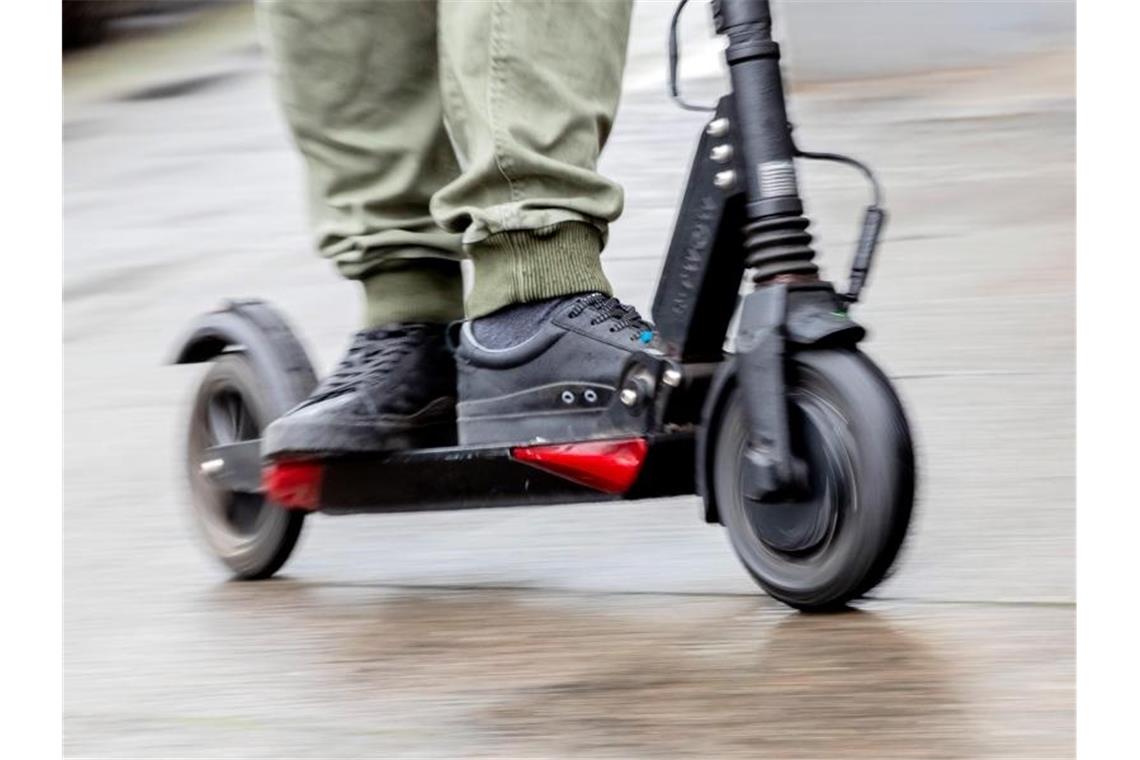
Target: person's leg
(359, 85)
(530, 90)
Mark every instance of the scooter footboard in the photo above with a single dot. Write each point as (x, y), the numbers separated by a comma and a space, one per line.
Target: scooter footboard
(467, 477)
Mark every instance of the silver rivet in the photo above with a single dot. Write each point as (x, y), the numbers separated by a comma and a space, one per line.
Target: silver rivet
(722, 154)
(671, 377)
(717, 127)
(211, 466)
(628, 396)
(589, 395)
(567, 397)
(725, 179)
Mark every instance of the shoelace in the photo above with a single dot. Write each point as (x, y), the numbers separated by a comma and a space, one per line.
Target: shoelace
(371, 351)
(606, 308)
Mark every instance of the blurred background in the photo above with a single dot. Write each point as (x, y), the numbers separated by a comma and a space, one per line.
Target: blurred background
(608, 630)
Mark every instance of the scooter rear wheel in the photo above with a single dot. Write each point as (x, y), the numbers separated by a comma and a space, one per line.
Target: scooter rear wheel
(839, 538)
(251, 535)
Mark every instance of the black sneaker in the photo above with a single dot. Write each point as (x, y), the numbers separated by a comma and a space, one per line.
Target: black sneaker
(555, 384)
(394, 389)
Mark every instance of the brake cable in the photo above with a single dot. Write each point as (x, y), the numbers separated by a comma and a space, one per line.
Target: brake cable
(874, 217)
(674, 62)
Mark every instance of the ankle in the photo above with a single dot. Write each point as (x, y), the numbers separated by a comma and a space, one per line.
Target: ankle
(526, 266)
(513, 324)
(414, 291)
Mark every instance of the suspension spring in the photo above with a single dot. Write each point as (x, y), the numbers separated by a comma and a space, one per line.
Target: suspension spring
(778, 245)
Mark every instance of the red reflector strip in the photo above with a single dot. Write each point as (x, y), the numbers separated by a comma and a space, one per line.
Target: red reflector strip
(295, 484)
(608, 466)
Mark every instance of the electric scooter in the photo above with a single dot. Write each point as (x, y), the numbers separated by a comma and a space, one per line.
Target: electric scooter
(794, 440)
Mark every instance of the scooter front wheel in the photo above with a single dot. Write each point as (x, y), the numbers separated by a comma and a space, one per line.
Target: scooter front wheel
(251, 535)
(840, 535)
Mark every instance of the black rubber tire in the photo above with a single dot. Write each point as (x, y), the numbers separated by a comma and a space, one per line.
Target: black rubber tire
(255, 550)
(863, 469)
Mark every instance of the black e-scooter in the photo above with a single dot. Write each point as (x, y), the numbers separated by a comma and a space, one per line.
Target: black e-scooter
(795, 440)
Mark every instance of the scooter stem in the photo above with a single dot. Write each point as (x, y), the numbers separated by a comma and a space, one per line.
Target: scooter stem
(776, 238)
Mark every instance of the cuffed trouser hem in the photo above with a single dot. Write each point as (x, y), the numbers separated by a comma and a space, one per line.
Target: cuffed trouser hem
(414, 290)
(519, 266)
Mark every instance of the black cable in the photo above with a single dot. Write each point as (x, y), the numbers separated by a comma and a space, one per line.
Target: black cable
(873, 220)
(839, 158)
(674, 61)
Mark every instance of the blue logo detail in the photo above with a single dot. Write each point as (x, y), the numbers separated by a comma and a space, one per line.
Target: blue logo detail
(646, 336)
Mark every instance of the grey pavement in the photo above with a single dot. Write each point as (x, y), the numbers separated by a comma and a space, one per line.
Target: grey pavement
(588, 630)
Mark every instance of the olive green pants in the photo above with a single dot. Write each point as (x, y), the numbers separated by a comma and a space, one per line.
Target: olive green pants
(437, 130)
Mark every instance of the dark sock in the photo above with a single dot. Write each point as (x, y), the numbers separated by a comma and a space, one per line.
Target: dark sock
(513, 324)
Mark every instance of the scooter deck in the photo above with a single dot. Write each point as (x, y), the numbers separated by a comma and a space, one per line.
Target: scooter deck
(465, 477)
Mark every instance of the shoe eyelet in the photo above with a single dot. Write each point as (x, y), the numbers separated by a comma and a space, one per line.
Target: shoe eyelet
(567, 397)
(590, 395)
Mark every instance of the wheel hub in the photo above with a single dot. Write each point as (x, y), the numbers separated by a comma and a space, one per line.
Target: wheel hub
(800, 521)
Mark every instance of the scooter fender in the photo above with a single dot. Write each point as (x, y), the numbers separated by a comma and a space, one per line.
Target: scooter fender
(257, 330)
(815, 316)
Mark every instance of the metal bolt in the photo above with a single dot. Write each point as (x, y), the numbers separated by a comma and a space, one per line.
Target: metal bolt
(211, 466)
(717, 127)
(628, 396)
(722, 153)
(671, 377)
(725, 180)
